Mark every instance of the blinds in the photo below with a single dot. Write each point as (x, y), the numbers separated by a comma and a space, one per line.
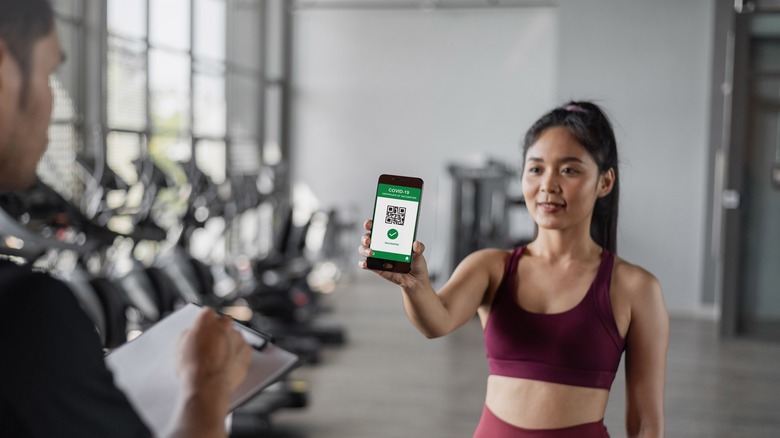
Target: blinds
(126, 84)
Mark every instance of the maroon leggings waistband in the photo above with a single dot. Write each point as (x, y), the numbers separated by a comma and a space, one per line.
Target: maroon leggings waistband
(491, 426)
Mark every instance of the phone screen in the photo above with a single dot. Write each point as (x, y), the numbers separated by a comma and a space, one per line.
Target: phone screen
(395, 222)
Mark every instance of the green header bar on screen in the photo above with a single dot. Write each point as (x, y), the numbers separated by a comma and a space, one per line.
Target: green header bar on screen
(399, 192)
(391, 256)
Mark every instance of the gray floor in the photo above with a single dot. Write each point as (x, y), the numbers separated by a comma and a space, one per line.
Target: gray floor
(390, 381)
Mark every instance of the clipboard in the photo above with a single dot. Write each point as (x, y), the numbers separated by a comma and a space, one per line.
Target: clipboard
(145, 368)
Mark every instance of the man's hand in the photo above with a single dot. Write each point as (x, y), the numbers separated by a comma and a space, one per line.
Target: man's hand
(213, 359)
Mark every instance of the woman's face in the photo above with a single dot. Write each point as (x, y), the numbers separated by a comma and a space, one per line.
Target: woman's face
(561, 181)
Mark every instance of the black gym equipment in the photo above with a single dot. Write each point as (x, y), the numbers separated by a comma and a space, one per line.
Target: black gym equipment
(41, 225)
(481, 202)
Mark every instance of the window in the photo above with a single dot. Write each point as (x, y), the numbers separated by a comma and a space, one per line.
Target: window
(177, 72)
(183, 80)
(57, 167)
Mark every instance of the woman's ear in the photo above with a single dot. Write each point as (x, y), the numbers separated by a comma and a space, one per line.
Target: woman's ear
(606, 182)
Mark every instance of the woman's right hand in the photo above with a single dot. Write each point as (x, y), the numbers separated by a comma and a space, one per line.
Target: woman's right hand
(416, 277)
(439, 313)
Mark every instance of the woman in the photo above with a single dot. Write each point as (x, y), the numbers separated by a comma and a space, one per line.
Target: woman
(557, 313)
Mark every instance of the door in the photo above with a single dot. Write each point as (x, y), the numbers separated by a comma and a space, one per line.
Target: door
(752, 244)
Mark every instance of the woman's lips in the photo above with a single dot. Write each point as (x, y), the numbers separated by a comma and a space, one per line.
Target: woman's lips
(549, 207)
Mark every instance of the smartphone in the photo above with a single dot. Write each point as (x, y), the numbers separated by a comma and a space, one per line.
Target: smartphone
(396, 210)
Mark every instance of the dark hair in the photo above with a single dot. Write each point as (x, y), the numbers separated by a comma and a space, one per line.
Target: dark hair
(587, 123)
(22, 24)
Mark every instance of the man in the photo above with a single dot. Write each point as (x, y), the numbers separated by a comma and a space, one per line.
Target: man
(53, 381)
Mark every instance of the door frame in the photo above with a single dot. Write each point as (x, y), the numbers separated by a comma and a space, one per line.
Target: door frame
(728, 164)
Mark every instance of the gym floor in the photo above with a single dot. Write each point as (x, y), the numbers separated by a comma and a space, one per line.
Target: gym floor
(391, 382)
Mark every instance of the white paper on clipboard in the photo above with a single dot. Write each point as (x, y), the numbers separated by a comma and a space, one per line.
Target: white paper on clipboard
(145, 368)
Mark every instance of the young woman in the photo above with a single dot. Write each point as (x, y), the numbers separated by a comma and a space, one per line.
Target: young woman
(559, 312)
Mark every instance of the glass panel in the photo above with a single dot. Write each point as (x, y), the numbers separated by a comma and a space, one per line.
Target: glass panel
(272, 148)
(766, 56)
(244, 34)
(244, 106)
(56, 167)
(127, 18)
(169, 24)
(209, 35)
(210, 158)
(68, 74)
(766, 25)
(67, 8)
(275, 42)
(210, 106)
(169, 83)
(63, 108)
(167, 152)
(167, 148)
(244, 156)
(126, 84)
(121, 150)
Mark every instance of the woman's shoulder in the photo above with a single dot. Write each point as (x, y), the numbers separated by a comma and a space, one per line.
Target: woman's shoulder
(492, 253)
(489, 263)
(634, 281)
(489, 257)
(492, 260)
(638, 302)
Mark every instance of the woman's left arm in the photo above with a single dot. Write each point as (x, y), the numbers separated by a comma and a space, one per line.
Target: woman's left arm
(647, 341)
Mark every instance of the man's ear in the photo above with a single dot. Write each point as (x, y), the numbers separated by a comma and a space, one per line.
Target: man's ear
(10, 75)
(8, 67)
(606, 182)
(3, 61)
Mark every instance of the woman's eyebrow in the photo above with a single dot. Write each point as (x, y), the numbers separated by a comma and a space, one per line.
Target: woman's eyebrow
(559, 160)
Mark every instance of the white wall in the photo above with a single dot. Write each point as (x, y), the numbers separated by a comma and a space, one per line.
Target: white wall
(407, 92)
(404, 91)
(648, 63)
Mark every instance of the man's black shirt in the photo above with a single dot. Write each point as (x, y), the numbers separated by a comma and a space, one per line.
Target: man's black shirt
(53, 380)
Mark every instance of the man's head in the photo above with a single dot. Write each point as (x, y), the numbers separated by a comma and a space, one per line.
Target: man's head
(22, 23)
(29, 53)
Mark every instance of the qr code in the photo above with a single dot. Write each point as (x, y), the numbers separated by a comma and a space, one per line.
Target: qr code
(395, 215)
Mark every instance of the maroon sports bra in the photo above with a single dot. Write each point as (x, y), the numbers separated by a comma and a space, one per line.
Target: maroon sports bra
(580, 347)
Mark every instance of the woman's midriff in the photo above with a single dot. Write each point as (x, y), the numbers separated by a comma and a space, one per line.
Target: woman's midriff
(534, 404)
